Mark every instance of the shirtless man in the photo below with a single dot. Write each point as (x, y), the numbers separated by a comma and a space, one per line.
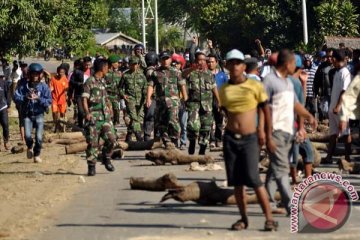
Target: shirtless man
(242, 99)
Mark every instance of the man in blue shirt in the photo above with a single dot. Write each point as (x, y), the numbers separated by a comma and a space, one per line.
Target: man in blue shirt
(34, 97)
(220, 79)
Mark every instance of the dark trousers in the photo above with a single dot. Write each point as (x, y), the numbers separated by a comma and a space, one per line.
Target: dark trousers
(219, 118)
(80, 112)
(4, 121)
(149, 119)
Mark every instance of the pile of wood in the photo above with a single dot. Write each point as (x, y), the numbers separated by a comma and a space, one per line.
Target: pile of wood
(203, 193)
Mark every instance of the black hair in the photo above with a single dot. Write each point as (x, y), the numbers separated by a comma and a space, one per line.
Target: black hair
(99, 64)
(212, 56)
(284, 56)
(251, 64)
(87, 59)
(254, 53)
(77, 63)
(339, 55)
(197, 54)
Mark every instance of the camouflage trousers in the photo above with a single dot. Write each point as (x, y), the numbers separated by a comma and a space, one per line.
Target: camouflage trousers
(116, 111)
(94, 131)
(199, 123)
(136, 115)
(167, 120)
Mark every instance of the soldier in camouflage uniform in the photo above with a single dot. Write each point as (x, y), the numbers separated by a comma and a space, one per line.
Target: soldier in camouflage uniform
(133, 89)
(139, 52)
(112, 81)
(168, 83)
(202, 88)
(97, 107)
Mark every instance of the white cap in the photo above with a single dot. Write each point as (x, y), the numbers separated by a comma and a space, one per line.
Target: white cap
(235, 54)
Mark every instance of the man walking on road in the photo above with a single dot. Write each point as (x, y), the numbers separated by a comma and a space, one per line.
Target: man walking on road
(202, 89)
(283, 103)
(133, 91)
(97, 107)
(242, 99)
(34, 97)
(167, 83)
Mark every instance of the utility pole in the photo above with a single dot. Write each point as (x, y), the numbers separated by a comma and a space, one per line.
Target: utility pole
(305, 26)
(148, 10)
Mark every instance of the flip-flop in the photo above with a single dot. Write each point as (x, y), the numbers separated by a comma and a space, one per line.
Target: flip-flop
(240, 224)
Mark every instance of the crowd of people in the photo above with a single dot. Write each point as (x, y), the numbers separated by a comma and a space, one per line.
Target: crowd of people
(264, 98)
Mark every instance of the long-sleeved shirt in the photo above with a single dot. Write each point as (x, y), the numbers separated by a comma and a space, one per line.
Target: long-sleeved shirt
(33, 107)
(5, 99)
(350, 108)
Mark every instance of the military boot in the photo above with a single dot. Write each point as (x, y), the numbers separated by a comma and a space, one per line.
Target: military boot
(108, 165)
(191, 149)
(91, 170)
(202, 149)
(175, 142)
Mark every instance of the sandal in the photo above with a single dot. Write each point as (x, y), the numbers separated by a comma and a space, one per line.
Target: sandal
(240, 224)
(271, 225)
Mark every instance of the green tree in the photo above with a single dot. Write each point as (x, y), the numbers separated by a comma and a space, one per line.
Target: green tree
(30, 24)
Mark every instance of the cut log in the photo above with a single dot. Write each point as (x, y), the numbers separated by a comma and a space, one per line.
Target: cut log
(207, 193)
(324, 137)
(67, 141)
(130, 146)
(168, 181)
(69, 135)
(176, 157)
(139, 146)
(75, 148)
(338, 151)
(351, 167)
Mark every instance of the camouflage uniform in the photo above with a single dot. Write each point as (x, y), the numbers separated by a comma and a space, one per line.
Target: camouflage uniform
(199, 105)
(112, 81)
(167, 83)
(133, 85)
(100, 125)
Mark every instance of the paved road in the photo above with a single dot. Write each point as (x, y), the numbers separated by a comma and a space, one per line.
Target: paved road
(105, 208)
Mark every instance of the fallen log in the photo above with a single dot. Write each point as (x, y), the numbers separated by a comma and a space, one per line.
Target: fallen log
(324, 137)
(338, 151)
(69, 135)
(176, 157)
(67, 141)
(130, 146)
(351, 167)
(207, 193)
(168, 181)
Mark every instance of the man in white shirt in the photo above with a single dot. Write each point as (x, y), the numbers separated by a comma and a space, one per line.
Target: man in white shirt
(342, 80)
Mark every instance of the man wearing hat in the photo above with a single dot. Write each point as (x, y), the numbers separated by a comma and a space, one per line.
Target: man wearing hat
(112, 81)
(202, 90)
(242, 99)
(168, 83)
(133, 89)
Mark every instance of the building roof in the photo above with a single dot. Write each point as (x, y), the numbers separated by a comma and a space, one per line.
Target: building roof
(103, 38)
(351, 42)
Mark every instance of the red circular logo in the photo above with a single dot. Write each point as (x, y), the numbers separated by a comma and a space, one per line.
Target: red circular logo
(326, 207)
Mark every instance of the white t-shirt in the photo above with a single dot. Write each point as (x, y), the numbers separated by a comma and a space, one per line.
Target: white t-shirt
(342, 80)
(282, 99)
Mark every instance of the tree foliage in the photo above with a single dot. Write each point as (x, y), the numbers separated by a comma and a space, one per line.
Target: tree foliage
(237, 23)
(30, 24)
(337, 18)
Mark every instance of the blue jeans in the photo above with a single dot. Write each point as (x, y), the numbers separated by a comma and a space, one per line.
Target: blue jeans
(183, 117)
(37, 122)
